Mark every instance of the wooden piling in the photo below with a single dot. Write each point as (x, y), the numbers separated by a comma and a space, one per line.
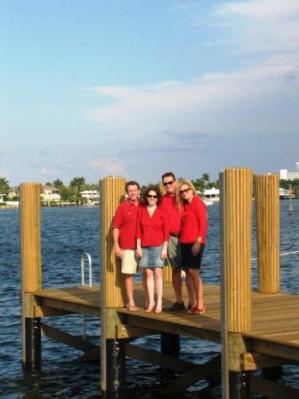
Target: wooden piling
(266, 190)
(112, 191)
(235, 238)
(236, 221)
(30, 272)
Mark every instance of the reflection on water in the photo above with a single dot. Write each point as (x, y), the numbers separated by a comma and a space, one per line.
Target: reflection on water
(66, 232)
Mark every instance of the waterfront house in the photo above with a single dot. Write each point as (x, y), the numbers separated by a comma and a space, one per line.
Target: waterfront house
(91, 196)
(13, 193)
(50, 194)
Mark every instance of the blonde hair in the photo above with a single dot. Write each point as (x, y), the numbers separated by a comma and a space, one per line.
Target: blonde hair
(179, 200)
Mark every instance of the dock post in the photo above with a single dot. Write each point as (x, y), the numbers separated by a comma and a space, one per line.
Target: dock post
(266, 190)
(112, 294)
(30, 273)
(235, 238)
(170, 344)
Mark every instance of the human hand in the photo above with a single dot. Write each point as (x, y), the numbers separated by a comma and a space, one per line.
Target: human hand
(163, 253)
(139, 252)
(195, 248)
(118, 251)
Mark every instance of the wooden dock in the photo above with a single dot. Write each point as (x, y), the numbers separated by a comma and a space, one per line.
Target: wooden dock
(255, 329)
(272, 334)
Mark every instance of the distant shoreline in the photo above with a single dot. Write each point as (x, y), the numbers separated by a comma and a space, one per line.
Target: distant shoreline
(53, 207)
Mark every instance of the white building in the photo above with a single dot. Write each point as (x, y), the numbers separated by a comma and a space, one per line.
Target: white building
(50, 194)
(13, 192)
(286, 175)
(92, 196)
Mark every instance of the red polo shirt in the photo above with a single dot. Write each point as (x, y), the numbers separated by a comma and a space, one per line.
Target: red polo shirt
(194, 221)
(125, 220)
(152, 230)
(174, 215)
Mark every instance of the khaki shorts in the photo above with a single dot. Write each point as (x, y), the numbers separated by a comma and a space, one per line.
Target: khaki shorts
(128, 261)
(174, 253)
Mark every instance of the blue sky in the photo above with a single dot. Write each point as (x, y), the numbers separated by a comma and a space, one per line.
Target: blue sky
(136, 88)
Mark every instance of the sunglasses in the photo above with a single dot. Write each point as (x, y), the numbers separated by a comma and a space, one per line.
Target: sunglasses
(168, 183)
(152, 196)
(185, 191)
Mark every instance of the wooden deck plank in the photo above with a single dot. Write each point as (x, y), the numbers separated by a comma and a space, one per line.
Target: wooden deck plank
(275, 318)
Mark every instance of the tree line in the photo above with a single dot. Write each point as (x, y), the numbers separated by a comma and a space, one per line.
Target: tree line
(68, 193)
(71, 192)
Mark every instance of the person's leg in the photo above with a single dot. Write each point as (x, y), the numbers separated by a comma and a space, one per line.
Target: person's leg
(177, 284)
(200, 301)
(190, 288)
(129, 286)
(175, 259)
(195, 284)
(145, 290)
(150, 289)
(198, 284)
(159, 288)
(198, 291)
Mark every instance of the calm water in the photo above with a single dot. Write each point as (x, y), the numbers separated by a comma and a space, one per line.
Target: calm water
(66, 233)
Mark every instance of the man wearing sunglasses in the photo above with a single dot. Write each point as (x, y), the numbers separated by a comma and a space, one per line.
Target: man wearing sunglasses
(174, 254)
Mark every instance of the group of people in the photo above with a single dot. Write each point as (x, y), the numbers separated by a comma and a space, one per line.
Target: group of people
(150, 230)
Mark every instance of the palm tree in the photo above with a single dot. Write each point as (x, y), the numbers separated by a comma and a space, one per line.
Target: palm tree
(4, 185)
(77, 184)
(58, 183)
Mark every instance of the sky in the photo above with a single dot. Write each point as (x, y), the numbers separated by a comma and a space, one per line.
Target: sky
(136, 88)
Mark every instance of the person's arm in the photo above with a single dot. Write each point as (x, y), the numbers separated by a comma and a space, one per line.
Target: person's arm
(202, 220)
(165, 226)
(117, 248)
(139, 252)
(164, 250)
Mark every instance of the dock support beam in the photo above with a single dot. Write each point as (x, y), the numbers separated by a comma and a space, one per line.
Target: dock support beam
(266, 190)
(170, 344)
(32, 344)
(235, 239)
(239, 385)
(112, 294)
(30, 273)
(116, 359)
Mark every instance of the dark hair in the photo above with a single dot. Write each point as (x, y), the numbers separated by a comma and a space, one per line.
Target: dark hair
(152, 188)
(132, 183)
(169, 174)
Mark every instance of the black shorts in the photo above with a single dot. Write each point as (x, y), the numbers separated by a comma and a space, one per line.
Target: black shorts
(190, 261)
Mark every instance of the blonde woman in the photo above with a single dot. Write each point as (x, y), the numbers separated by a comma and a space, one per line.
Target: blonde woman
(192, 238)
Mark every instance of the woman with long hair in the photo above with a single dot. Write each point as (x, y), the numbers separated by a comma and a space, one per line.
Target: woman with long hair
(152, 241)
(192, 238)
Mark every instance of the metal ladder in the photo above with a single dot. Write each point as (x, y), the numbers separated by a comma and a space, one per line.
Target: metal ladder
(85, 256)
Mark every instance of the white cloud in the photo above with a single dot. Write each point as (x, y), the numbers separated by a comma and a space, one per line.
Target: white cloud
(228, 104)
(45, 171)
(261, 25)
(107, 166)
(213, 103)
(262, 9)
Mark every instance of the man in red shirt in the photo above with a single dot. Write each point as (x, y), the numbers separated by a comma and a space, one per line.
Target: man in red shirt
(124, 238)
(174, 254)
